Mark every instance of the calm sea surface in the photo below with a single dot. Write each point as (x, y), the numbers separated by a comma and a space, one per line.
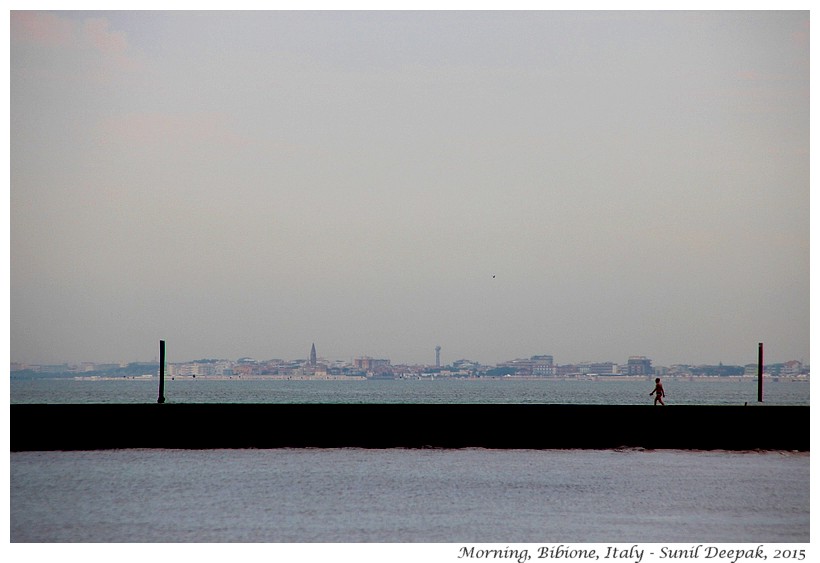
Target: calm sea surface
(602, 391)
(397, 495)
(403, 495)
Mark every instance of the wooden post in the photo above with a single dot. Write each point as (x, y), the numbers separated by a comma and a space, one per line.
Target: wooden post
(760, 372)
(161, 398)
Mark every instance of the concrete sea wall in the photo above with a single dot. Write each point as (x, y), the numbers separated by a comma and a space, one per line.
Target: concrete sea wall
(498, 426)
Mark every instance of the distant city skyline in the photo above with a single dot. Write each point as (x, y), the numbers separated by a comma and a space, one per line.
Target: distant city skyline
(315, 355)
(588, 184)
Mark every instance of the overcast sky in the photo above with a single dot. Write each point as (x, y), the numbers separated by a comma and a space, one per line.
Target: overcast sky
(590, 185)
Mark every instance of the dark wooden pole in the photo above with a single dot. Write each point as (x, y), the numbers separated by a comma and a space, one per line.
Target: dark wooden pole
(161, 398)
(760, 372)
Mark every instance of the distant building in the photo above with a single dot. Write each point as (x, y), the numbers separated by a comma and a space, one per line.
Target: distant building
(565, 370)
(313, 354)
(639, 365)
(183, 370)
(791, 368)
(543, 365)
(59, 368)
(598, 368)
(372, 365)
(223, 367)
(519, 366)
(247, 369)
(466, 367)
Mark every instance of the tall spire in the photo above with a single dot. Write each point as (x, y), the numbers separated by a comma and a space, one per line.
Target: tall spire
(313, 354)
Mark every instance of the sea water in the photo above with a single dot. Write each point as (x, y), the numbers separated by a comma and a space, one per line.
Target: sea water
(611, 390)
(401, 495)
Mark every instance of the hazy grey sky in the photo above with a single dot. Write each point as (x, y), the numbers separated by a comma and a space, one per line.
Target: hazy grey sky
(591, 185)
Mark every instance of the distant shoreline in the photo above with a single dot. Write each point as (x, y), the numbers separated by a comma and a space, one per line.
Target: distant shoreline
(148, 377)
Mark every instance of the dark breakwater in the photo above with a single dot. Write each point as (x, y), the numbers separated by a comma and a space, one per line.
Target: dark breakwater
(497, 426)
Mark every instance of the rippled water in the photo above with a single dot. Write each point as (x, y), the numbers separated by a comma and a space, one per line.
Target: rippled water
(397, 495)
(602, 391)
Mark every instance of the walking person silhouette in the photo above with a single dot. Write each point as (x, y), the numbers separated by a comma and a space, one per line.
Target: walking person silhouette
(658, 392)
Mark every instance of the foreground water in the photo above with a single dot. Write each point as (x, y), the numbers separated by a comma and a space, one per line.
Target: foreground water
(397, 495)
(617, 391)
